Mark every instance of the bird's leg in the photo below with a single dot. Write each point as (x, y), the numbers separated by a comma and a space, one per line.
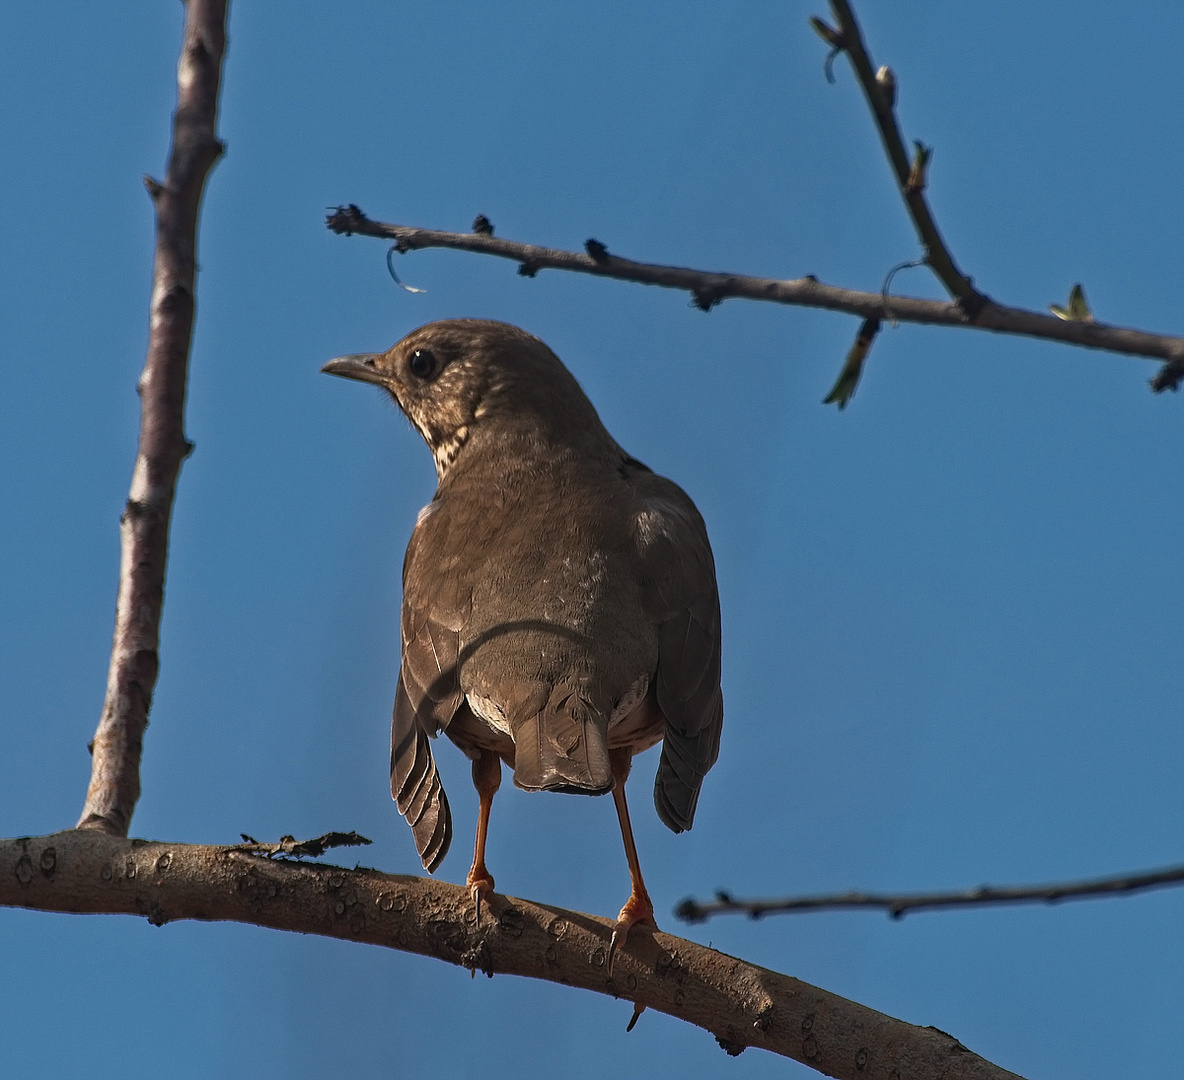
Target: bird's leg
(638, 908)
(487, 778)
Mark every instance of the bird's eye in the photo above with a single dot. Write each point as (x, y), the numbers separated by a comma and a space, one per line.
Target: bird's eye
(422, 363)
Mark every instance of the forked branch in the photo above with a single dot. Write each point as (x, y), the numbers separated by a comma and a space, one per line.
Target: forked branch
(970, 308)
(910, 173)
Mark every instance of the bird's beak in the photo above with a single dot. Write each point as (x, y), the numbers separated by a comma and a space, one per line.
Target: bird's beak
(360, 366)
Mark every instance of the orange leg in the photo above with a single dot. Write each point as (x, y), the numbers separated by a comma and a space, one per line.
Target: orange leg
(638, 908)
(487, 778)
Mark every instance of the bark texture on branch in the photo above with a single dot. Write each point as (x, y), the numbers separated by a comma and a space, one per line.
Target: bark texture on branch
(144, 526)
(739, 1003)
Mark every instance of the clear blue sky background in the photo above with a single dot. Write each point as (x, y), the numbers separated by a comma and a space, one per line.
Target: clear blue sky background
(951, 612)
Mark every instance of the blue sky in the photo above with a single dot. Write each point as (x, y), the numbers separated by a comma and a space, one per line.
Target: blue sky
(950, 612)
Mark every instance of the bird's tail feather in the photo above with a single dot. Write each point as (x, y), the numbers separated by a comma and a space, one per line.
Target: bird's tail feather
(563, 747)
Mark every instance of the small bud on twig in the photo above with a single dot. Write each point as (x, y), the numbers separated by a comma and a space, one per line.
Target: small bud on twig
(918, 173)
(1077, 309)
(844, 388)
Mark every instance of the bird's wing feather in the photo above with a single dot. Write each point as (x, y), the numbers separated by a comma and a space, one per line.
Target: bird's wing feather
(427, 697)
(680, 596)
(431, 625)
(415, 784)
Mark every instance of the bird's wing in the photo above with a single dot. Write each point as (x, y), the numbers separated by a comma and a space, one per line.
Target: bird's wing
(427, 697)
(679, 594)
(415, 784)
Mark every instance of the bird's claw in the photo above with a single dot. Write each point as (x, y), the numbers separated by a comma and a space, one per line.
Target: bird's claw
(479, 887)
(637, 909)
(620, 933)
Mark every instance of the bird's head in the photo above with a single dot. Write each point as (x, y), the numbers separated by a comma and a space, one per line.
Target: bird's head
(462, 377)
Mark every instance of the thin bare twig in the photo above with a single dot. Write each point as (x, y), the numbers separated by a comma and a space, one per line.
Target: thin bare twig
(909, 174)
(144, 526)
(708, 288)
(897, 905)
(739, 1003)
(291, 848)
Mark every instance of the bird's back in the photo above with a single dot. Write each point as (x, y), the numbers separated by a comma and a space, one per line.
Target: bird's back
(555, 635)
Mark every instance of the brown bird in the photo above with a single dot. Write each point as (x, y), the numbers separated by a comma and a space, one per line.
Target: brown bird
(560, 610)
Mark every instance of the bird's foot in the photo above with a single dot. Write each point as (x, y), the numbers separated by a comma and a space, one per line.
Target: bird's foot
(480, 884)
(637, 909)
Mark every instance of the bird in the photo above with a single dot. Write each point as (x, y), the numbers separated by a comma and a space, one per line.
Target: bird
(560, 609)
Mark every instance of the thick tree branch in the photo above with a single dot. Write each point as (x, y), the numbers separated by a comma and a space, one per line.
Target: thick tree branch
(708, 288)
(144, 526)
(741, 1004)
(910, 175)
(899, 904)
